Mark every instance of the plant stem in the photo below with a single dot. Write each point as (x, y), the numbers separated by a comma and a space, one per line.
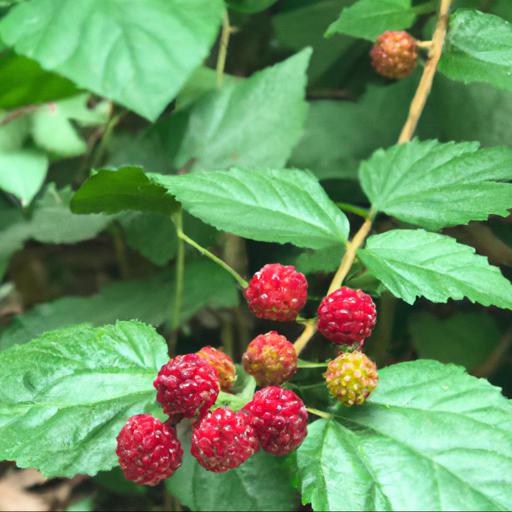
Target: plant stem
(223, 49)
(362, 212)
(425, 85)
(307, 334)
(180, 273)
(320, 413)
(205, 252)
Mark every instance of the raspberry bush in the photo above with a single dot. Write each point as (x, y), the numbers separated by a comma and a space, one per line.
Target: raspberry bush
(255, 255)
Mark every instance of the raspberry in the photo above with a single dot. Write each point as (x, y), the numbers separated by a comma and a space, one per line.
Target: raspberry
(222, 363)
(148, 450)
(279, 418)
(277, 292)
(347, 316)
(223, 440)
(394, 54)
(185, 386)
(351, 377)
(270, 358)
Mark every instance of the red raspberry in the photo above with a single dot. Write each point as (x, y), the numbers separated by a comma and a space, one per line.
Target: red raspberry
(223, 440)
(279, 418)
(347, 316)
(148, 450)
(185, 386)
(394, 54)
(270, 358)
(222, 363)
(277, 292)
(351, 377)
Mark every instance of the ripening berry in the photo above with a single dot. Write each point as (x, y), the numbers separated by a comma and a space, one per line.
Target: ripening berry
(270, 358)
(351, 377)
(148, 450)
(223, 364)
(347, 316)
(187, 385)
(279, 418)
(223, 439)
(277, 292)
(394, 54)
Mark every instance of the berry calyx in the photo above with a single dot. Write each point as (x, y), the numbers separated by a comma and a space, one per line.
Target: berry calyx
(347, 316)
(394, 54)
(351, 377)
(277, 292)
(270, 358)
(223, 439)
(187, 385)
(148, 450)
(223, 364)
(279, 418)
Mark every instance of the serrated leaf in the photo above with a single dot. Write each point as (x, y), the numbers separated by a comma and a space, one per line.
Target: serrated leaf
(270, 206)
(369, 18)
(230, 127)
(440, 424)
(127, 188)
(436, 185)
(65, 396)
(463, 338)
(478, 49)
(416, 263)
(137, 38)
(259, 484)
(22, 173)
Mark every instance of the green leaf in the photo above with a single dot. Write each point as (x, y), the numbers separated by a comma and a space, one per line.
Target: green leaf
(149, 300)
(22, 173)
(218, 134)
(14, 133)
(259, 484)
(65, 396)
(434, 420)
(436, 185)
(250, 6)
(323, 260)
(463, 338)
(478, 49)
(369, 18)
(127, 188)
(270, 206)
(23, 82)
(416, 263)
(136, 53)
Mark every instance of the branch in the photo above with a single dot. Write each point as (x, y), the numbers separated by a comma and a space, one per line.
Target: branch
(425, 85)
(223, 49)
(19, 112)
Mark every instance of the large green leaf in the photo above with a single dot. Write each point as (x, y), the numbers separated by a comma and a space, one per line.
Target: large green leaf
(416, 263)
(136, 53)
(65, 396)
(127, 188)
(478, 49)
(464, 338)
(259, 484)
(369, 18)
(270, 206)
(231, 127)
(436, 185)
(430, 438)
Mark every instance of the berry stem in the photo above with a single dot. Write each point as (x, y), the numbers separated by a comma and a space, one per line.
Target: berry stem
(321, 414)
(223, 49)
(425, 85)
(424, 44)
(180, 272)
(347, 207)
(308, 332)
(205, 252)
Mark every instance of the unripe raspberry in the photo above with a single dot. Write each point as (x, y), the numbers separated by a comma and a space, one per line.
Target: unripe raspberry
(186, 386)
(270, 358)
(223, 439)
(148, 450)
(351, 377)
(394, 54)
(277, 292)
(347, 316)
(222, 363)
(279, 418)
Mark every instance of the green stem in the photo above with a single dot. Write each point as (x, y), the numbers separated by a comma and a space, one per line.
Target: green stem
(180, 272)
(321, 414)
(205, 252)
(362, 212)
(105, 140)
(425, 8)
(308, 364)
(223, 49)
